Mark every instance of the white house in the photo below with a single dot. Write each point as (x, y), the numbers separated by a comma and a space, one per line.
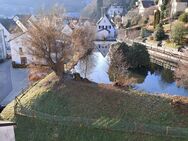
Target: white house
(67, 30)
(3, 52)
(178, 6)
(8, 27)
(18, 48)
(114, 10)
(143, 5)
(105, 29)
(13, 30)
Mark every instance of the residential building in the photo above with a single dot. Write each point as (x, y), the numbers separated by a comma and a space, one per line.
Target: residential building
(114, 10)
(143, 5)
(3, 52)
(178, 6)
(106, 29)
(67, 30)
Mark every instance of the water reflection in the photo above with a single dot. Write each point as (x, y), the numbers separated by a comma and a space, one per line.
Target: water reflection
(98, 72)
(153, 79)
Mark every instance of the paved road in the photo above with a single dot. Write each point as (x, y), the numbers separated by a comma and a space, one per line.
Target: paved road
(5, 80)
(12, 81)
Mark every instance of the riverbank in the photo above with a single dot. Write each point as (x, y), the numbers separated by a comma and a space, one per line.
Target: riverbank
(84, 111)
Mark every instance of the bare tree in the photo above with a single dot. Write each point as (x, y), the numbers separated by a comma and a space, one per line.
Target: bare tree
(48, 45)
(181, 74)
(82, 39)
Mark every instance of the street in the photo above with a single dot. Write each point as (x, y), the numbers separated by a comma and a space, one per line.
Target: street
(12, 81)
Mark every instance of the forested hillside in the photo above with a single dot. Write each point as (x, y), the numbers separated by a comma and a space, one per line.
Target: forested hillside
(12, 7)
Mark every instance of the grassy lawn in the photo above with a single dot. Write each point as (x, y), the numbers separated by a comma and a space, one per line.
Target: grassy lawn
(97, 107)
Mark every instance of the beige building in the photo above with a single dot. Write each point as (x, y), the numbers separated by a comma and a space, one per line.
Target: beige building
(176, 6)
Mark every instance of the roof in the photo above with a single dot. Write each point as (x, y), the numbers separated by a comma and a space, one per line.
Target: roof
(11, 26)
(6, 123)
(23, 19)
(147, 3)
(112, 23)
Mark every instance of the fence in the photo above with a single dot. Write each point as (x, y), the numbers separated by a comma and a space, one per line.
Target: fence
(108, 124)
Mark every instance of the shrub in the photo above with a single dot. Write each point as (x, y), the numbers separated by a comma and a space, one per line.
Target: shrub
(138, 56)
(145, 33)
(178, 32)
(183, 17)
(159, 33)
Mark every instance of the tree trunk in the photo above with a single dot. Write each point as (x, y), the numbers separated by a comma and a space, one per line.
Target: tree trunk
(60, 71)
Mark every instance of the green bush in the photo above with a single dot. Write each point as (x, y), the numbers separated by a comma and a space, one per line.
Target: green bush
(183, 17)
(138, 56)
(159, 33)
(178, 32)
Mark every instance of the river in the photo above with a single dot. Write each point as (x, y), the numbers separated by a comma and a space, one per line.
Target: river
(153, 80)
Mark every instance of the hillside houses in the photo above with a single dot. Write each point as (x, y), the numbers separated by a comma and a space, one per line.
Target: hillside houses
(143, 5)
(177, 6)
(115, 10)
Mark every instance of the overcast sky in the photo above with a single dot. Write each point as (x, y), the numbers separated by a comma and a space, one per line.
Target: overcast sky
(12, 7)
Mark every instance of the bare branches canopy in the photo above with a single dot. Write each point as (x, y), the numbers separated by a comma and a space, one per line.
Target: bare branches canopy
(48, 45)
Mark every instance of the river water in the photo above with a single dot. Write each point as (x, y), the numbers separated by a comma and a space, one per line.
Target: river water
(153, 80)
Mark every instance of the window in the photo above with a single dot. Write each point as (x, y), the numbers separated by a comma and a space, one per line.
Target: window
(110, 27)
(20, 51)
(99, 27)
(103, 27)
(106, 27)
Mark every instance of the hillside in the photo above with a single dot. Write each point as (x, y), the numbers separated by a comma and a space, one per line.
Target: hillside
(91, 9)
(80, 111)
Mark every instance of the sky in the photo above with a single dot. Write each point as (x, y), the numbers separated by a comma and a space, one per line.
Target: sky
(13, 7)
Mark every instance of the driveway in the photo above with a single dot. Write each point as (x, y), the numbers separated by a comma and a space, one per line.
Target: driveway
(12, 82)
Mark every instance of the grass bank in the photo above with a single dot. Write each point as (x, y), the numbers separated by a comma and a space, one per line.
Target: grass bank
(78, 111)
